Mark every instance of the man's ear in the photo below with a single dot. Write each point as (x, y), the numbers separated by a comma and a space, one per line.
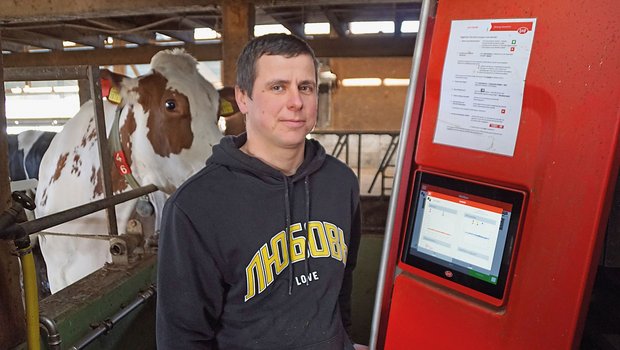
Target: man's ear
(241, 97)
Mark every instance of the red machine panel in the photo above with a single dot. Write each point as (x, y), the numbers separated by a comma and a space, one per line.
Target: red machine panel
(565, 158)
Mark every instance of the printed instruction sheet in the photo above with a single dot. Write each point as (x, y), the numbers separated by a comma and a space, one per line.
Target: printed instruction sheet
(482, 84)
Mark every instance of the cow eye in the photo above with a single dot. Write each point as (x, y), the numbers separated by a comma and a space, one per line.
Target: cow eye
(171, 105)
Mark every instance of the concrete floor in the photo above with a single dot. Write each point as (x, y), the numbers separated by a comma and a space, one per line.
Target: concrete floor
(364, 286)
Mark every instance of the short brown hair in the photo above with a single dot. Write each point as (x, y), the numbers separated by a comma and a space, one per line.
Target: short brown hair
(271, 44)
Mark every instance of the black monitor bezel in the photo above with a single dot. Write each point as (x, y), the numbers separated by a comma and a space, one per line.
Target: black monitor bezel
(515, 198)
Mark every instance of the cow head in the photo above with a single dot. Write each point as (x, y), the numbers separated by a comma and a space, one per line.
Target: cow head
(169, 119)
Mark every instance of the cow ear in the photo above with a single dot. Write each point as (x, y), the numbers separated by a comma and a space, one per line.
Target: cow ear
(113, 79)
(228, 103)
(111, 85)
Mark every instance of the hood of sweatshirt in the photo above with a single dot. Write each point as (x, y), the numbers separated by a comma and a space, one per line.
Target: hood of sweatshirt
(227, 153)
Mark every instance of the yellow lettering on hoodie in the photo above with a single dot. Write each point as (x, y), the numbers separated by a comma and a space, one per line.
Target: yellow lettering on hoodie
(315, 230)
(278, 244)
(298, 244)
(255, 265)
(333, 239)
(343, 244)
(324, 239)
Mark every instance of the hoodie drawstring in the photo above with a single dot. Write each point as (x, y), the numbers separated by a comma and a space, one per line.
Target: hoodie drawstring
(307, 255)
(287, 206)
(289, 240)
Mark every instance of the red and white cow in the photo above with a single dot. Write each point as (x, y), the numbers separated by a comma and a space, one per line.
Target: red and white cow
(167, 127)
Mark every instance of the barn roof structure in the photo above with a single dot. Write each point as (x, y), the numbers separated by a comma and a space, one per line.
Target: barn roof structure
(34, 31)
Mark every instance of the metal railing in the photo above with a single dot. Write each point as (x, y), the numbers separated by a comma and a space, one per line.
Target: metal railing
(91, 74)
(353, 147)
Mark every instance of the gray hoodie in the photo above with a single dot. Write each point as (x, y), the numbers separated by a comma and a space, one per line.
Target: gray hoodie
(229, 234)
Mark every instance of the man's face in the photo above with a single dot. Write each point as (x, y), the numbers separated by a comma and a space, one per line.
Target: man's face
(283, 107)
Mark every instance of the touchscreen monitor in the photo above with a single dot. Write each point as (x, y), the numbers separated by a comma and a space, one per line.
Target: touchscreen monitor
(463, 231)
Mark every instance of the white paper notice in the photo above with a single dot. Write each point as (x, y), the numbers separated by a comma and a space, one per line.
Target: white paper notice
(482, 84)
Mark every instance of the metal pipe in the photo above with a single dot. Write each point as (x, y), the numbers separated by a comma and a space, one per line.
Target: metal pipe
(108, 324)
(76, 212)
(389, 226)
(105, 159)
(31, 295)
(359, 157)
(53, 336)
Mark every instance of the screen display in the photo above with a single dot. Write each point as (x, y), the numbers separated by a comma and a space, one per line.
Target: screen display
(463, 231)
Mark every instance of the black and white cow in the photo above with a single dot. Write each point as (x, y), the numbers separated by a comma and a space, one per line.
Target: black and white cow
(26, 150)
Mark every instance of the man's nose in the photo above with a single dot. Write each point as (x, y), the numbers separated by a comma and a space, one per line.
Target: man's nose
(294, 100)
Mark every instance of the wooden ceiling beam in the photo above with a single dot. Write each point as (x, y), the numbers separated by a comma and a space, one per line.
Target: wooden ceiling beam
(33, 39)
(379, 46)
(334, 21)
(196, 22)
(373, 46)
(115, 26)
(13, 46)
(103, 57)
(77, 36)
(237, 29)
(274, 3)
(182, 35)
(295, 26)
(63, 10)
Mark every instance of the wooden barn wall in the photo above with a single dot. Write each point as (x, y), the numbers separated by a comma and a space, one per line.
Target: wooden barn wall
(369, 108)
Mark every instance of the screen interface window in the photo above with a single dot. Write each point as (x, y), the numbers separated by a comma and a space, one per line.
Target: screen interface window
(463, 232)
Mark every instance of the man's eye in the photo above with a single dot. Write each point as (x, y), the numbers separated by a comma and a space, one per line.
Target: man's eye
(306, 88)
(277, 88)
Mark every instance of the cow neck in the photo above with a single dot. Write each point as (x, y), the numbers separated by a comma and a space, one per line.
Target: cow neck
(120, 160)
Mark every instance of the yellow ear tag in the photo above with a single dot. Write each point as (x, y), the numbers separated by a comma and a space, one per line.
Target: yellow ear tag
(115, 96)
(226, 107)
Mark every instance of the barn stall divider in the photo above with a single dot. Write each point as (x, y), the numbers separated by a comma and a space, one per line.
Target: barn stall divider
(82, 312)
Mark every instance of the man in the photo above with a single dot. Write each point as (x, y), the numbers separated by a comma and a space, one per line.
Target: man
(257, 249)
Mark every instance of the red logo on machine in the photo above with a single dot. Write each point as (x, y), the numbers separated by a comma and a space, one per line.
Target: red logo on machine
(448, 273)
(520, 27)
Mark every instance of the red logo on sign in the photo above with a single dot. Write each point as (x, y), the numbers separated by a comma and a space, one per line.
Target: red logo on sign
(503, 111)
(520, 27)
